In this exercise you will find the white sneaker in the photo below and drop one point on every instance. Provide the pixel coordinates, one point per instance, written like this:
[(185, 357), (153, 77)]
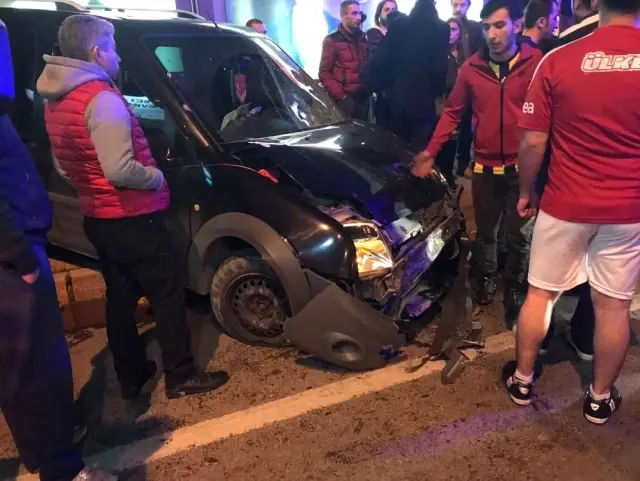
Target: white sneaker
[(93, 474)]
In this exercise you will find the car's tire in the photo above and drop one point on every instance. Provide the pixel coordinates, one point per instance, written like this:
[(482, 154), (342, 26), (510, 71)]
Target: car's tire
[(249, 301)]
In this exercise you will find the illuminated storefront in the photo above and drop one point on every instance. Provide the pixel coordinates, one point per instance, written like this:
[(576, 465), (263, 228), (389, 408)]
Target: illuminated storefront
[(299, 26)]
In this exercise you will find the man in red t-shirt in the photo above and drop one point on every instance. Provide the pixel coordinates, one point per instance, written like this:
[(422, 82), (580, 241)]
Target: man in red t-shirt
[(584, 96)]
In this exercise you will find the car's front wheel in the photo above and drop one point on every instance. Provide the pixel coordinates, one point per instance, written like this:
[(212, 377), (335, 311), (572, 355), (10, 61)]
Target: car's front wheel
[(249, 301)]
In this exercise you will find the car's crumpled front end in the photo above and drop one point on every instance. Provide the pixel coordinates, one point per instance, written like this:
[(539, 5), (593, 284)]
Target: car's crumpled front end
[(404, 267)]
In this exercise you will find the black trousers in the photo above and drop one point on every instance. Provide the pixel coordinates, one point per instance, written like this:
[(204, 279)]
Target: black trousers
[(493, 197), (138, 259), (36, 388), (583, 322)]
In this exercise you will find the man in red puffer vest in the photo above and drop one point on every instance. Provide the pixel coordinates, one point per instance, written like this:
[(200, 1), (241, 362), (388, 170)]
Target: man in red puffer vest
[(344, 53), (101, 149)]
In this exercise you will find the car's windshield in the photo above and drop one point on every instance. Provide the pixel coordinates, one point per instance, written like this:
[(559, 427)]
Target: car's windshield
[(243, 87)]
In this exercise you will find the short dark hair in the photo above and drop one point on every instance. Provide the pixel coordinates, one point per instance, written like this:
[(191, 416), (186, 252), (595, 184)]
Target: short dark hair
[(376, 18), (621, 6), (78, 34), (347, 3), (253, 21), (537, 9), (513, 6)]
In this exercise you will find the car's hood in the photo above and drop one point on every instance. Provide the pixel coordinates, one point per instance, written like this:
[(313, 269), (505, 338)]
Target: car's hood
[(351, 162)]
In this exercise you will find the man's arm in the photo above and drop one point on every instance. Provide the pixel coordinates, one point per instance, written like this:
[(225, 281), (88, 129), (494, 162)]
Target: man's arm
[(327, 62), (530, 158), (535, 121), (15, 250), (109, 124), (455, 108)]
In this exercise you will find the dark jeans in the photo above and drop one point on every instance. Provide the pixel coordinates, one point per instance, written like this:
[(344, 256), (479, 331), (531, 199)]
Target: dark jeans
[(138, 259), (493, 197), (37, 386)]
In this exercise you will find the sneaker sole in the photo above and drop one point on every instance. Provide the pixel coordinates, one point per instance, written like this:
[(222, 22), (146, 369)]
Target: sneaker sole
[(520, 402), (598, 421)]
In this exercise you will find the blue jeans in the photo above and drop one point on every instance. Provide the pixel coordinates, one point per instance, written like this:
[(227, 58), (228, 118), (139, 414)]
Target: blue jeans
[(36, 394)]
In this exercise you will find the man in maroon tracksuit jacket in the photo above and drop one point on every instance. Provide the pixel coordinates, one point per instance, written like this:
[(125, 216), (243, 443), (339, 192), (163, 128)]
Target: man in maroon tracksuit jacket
[(494, 81), (343, 54)]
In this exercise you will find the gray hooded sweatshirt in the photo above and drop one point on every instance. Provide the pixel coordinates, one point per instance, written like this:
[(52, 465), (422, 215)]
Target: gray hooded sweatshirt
[(107, 119)]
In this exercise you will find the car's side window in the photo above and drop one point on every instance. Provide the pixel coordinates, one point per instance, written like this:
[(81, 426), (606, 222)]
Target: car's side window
[(167, 143)]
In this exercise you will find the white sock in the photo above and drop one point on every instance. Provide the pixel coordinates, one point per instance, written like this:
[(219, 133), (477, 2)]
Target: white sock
[(522, 379), (599, 397)]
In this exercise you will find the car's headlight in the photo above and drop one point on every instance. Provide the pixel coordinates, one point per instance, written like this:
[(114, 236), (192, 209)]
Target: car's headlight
[(372, 254)]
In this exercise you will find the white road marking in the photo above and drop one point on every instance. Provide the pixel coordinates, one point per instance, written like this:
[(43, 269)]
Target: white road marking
[(241, 422)]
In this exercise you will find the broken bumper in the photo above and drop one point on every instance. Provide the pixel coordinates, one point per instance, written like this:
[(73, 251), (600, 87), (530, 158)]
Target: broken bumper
[(343, 330)]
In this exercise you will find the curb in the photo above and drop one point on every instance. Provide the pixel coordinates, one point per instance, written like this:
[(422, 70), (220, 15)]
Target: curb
[(81, 298)]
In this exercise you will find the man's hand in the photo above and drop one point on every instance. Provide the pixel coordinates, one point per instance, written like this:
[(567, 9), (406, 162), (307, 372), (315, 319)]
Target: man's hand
[(422, 164), (31, 278), (527, 205)]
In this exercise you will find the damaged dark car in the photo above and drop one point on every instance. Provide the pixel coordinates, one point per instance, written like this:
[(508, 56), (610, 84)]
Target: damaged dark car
[(304, 227)]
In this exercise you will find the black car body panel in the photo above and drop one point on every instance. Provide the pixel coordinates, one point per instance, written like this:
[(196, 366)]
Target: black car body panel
[(290, 195)]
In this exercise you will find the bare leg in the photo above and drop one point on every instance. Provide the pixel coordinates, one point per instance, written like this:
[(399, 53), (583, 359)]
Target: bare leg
[(533, 324), (611, 339)]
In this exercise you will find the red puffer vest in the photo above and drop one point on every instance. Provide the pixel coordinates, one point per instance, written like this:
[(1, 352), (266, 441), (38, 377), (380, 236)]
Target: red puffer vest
[(72, 146)]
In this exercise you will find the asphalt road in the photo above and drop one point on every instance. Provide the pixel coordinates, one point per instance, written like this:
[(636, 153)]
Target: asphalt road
[(285, 416)]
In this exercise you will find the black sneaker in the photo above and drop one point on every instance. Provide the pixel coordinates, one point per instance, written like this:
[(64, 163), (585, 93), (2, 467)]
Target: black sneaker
[(132, 391), (599, 412), (486, 290), (520, 393), (195, 383)]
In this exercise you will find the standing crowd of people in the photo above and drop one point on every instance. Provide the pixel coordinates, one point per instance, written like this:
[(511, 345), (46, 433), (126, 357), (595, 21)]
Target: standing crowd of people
[(538, 132), (522, 84)]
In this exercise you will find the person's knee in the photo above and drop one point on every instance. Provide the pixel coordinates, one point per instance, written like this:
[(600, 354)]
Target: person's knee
[(604, 302)]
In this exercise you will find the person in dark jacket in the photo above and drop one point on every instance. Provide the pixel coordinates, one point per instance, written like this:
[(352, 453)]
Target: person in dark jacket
[(587, 18), (497, 76), (540, 23), (385, 10), (379, 30), (472, 41), (412, 64), (447, 156), (344, 52), (35, 367)]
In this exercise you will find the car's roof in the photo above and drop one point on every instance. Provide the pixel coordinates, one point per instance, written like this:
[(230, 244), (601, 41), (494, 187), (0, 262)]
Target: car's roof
[(137, 21)]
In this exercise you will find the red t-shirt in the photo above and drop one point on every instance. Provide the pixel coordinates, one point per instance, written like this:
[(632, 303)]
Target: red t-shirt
[(586, 95)]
